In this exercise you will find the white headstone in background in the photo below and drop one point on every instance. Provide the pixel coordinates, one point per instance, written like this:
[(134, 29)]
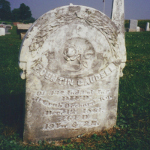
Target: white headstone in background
[(138, 29), (133, 25), (147, 26), (72, 60), (24, 26), (2, 31)]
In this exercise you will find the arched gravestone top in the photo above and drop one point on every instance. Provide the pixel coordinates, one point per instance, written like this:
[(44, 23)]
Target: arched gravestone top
[(63, 18), (71, 58)]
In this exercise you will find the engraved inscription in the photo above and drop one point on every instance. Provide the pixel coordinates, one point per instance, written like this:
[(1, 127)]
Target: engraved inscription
[(53, 126), (72, 98), (73, 110), (47, 103), (77, 92), (92, 110), (75, 98), (51, 77), (73, 125), (61, 112)]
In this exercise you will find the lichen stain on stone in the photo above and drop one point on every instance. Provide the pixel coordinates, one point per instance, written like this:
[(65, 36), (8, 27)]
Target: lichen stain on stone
[(98, 14), (74, 8), (111, 104), (111, 117)]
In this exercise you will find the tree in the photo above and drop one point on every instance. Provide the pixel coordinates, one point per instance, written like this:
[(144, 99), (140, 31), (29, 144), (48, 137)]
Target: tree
[(16, 14), (5, 10), (25, 12)]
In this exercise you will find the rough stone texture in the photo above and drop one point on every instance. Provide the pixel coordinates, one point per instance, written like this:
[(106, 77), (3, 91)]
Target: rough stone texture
[(147, 26), (2, 31), (118, 19), (133, 25), (118, 14), (72, 59)]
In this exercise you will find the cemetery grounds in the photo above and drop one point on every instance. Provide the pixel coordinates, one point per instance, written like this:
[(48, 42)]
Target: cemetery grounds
[(133, 123)]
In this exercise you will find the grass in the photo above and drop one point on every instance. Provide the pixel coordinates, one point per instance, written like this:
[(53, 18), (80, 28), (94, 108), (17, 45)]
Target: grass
[(133, 123)]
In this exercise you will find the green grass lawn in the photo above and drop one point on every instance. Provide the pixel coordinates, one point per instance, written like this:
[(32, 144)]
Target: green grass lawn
[(133, 124)]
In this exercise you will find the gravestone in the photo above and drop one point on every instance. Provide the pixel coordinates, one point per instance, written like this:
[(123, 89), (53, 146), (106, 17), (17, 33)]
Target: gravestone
[(133, 25), (138, 29), (2, 31), (7, 28), (147, 26), (72, 58), (23, 28)]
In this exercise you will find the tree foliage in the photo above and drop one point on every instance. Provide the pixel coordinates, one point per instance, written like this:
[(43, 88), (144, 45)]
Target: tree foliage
[(22, 13), (16, 14), (5, 10), (25, 12)]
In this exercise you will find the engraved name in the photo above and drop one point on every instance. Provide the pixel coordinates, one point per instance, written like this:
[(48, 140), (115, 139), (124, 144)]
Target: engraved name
[(80, 82)]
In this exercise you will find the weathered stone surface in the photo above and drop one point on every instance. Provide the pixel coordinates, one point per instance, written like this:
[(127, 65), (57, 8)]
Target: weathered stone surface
[(147, 26), (133, 25), (71, 58), (2, 31), (118, 14), (118, 19)]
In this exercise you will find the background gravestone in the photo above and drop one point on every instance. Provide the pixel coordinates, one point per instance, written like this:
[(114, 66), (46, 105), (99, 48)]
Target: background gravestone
[(7, 28), (147, 26), (133, 25), (22, 29), (72, 58), (138, 29), (2, 31)]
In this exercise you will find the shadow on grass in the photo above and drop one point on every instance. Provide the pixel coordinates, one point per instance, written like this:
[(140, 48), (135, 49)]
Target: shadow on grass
[(12, 113)]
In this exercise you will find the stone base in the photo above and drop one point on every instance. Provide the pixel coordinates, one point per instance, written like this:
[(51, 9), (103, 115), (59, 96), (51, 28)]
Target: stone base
[(132, 30)]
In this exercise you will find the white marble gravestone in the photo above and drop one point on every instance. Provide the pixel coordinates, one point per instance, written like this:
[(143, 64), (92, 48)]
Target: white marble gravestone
[(72, 58), (138, 29), (2, 31), (147, 26), (133, 25)]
